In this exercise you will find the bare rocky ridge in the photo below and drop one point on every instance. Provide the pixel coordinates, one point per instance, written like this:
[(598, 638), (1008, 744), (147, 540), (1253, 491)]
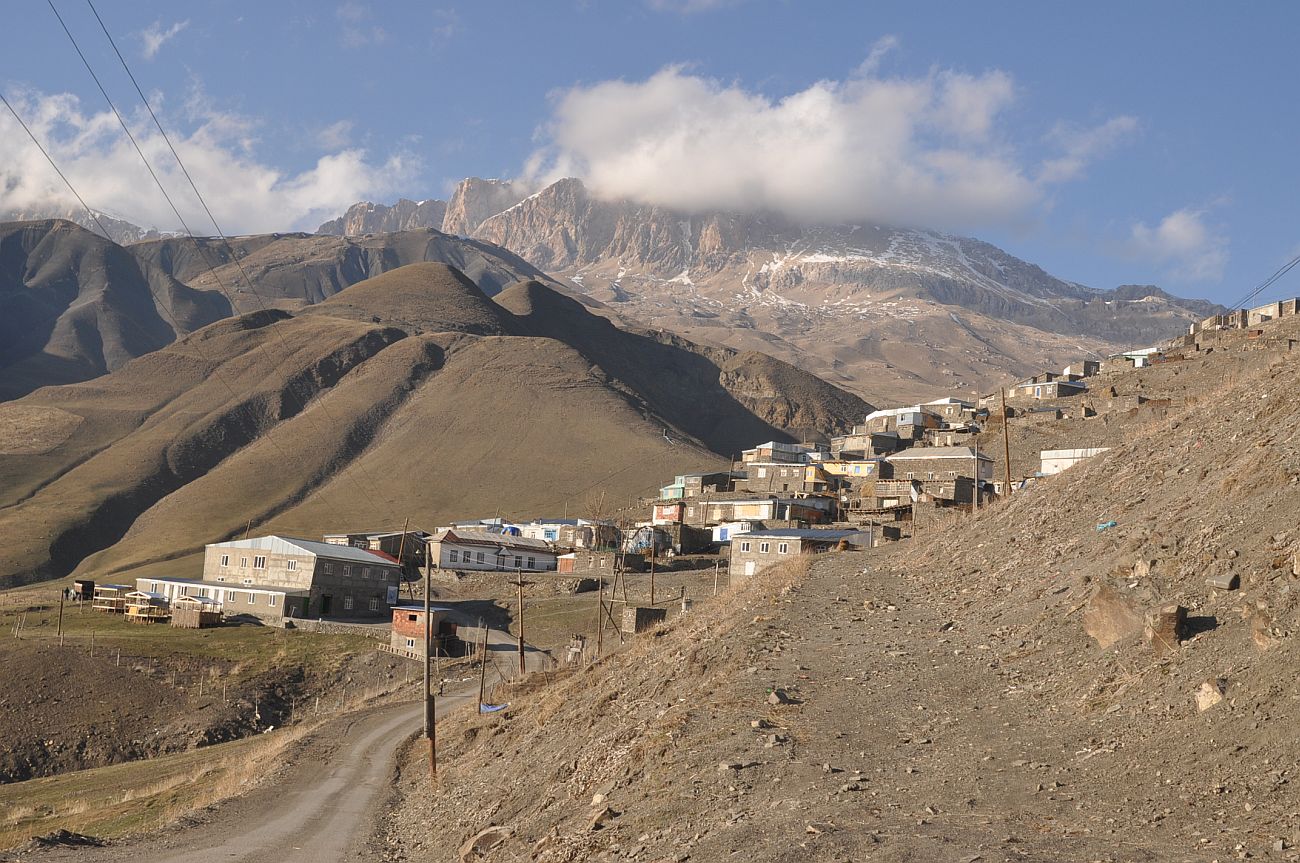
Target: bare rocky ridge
[(892, 313), (405, 215), (476, 199), (412, 394)]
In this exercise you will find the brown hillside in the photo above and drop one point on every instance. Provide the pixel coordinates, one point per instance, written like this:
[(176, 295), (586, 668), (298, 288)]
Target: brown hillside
[(408, 396), (949, 698), (74, 306)]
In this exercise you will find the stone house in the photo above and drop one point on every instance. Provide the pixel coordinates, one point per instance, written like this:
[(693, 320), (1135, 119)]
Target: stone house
[(410, 545), (762, 508), (757, 550), (339, 580), (468, 549), (946, 473), (861, 443)]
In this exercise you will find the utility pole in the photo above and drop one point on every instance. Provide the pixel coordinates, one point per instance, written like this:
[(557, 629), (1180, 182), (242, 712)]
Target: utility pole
[(652, 567), (600, 614), (482, 668), (430, 720), (60, 619), (976, 446), (1006, 438), (520, 584), (401, 550), (717, 567)]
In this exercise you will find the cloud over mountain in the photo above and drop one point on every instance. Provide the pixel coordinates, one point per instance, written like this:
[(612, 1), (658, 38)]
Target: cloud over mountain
[(933, 150), (1185, 243), (246, 194)]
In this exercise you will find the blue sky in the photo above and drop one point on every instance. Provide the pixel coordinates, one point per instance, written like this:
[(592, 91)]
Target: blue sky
[(1109, 143)]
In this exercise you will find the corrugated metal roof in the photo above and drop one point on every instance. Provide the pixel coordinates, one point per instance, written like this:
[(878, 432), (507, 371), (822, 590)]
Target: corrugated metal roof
[(961, 452), (830, 535), (293, 545), (485, 537)]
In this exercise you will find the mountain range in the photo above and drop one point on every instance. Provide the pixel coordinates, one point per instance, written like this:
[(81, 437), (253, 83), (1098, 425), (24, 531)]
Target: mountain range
[(408, 395), (891, 312)]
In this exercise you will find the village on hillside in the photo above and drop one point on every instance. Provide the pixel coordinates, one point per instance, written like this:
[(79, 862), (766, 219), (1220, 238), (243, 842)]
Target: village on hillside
[(899, 473)]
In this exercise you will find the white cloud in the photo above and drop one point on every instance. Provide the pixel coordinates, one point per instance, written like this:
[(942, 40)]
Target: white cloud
[(246, 194), (1082, 146), (690, 7), (1183, 243), (929, 150), (358, 29), (155, 35)]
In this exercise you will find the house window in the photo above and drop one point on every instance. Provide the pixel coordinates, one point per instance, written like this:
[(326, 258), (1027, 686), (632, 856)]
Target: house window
[(225, 560), (246, 581), (347, 603), (270, 600), (519, 562), (365, 572), (259, 562), (243, 562), (329, 569), (412, 617), (410, 642), (347, 570), (252, 598), (762, 472), (374, 603), (763, 547), (454, 555), (744, 546), (478, 557), (291, 565), (153, 586), (783, 548), (532, 563)]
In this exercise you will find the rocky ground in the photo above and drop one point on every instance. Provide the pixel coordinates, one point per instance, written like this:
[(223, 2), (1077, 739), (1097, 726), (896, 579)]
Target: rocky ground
[(1003, 689)]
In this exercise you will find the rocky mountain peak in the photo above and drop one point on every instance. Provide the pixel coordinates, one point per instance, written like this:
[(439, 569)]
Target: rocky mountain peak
[(476, 199), (368, 218)]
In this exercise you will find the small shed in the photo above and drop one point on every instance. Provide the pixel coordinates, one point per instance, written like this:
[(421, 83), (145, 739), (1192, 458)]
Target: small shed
[(110, 597), (143, 606), (639, 618), (195, 612), (83, 589)]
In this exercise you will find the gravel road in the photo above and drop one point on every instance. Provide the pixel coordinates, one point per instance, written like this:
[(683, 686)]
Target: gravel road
[(322, 806)]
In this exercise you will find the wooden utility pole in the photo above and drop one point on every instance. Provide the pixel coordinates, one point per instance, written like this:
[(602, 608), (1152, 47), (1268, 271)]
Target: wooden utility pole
[(1006, 438), (248, 528), (600, 614), (652, 567), (717, 567), (60, 619), (430, 720), (520, 584), (401, 548), (976, 446), (482, 669)]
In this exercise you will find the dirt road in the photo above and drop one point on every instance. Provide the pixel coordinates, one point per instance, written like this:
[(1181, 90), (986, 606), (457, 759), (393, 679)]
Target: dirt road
[(322, 806)]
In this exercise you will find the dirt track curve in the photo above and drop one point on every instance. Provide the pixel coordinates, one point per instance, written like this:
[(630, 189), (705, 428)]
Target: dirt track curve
[(322, 807)]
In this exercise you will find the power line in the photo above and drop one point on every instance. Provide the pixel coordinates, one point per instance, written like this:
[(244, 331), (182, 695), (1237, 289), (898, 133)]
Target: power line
[(161, 304), (208, 210), (1268, 282), (198, 246)]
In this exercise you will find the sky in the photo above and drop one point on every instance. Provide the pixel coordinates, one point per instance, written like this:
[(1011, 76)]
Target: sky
[(1109, 143)]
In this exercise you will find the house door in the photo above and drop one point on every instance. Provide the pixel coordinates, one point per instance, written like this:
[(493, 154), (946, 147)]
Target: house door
[(749, 567), (326, 603)]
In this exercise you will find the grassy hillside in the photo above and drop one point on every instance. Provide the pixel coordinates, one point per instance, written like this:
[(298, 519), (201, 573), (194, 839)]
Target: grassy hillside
[(410, 395)]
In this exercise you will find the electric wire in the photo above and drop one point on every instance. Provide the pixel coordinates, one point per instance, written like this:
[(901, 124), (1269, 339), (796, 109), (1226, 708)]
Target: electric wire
[(206, 209), (344, 470)]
